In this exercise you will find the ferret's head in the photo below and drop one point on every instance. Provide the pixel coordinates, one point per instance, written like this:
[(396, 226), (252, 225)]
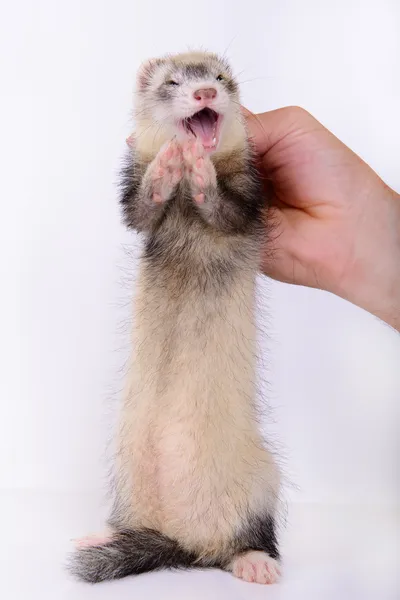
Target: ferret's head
[(192, 94)]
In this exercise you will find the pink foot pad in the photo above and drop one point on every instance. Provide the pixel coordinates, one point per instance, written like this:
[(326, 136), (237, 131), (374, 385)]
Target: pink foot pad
[(256, 567), (166, 171), (199, 169)]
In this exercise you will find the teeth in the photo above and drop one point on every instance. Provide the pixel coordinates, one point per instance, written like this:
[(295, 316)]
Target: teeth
[(214, 140)]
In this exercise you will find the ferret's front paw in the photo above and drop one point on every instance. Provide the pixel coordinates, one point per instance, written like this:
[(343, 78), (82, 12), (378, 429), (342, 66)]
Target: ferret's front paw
[(256, 567), (200, 171), (166, 171)]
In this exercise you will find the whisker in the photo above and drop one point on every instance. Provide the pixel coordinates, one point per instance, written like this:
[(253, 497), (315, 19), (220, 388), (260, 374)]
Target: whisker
[(266, 77), (229, 45), (238, 74), (144, 131), (157, 132), (256, 117)]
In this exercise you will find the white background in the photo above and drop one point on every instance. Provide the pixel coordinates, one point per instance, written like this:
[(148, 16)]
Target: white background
[(67, 73)]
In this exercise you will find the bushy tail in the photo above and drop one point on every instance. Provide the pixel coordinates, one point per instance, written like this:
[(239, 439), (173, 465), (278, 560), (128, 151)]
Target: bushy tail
[(130, 552)]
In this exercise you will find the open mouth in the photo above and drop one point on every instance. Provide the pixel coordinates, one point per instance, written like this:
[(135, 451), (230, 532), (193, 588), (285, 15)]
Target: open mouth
[(204, 125)]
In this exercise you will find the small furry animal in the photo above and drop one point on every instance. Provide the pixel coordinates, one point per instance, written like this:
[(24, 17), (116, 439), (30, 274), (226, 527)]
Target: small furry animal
[(195, 485)]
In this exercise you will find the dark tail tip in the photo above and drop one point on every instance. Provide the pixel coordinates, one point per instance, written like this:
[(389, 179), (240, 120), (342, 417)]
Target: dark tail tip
[(130, 552)]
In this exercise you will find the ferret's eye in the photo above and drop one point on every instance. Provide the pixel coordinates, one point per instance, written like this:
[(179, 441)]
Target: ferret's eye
[(171, 82), (220, 78)]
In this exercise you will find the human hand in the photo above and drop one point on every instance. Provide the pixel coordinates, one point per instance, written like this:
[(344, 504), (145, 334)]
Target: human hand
[(336, 223)]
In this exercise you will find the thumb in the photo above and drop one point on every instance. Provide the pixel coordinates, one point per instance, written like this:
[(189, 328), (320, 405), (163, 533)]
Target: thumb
[(269, 128)]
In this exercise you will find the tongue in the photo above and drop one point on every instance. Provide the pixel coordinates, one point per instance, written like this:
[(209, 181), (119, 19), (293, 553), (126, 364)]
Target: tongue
[(204, 126)]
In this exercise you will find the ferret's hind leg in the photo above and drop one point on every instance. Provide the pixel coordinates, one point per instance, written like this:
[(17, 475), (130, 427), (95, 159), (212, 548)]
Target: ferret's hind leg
[(255, 567), (257, 555), (94, 539)]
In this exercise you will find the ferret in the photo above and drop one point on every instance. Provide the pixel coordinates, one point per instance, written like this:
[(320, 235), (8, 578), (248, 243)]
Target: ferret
[(195, 483)]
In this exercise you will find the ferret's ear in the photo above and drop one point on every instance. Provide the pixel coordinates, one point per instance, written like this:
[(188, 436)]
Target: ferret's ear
[(145, 72)]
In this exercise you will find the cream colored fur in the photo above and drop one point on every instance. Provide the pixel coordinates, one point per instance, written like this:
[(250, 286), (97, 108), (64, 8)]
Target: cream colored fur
[(191, 460)]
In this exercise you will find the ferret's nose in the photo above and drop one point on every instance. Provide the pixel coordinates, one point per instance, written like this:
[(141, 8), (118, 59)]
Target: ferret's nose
[(205, 94)]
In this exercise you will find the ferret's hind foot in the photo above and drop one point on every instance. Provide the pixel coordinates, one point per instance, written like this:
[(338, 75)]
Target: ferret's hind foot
[(256, 567), (94, 539)]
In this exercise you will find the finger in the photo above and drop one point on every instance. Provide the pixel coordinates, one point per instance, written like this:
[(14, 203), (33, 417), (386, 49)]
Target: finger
[(264, 129), (269, 128)]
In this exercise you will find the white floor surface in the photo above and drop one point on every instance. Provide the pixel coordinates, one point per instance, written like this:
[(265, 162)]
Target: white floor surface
[(330, 553)]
